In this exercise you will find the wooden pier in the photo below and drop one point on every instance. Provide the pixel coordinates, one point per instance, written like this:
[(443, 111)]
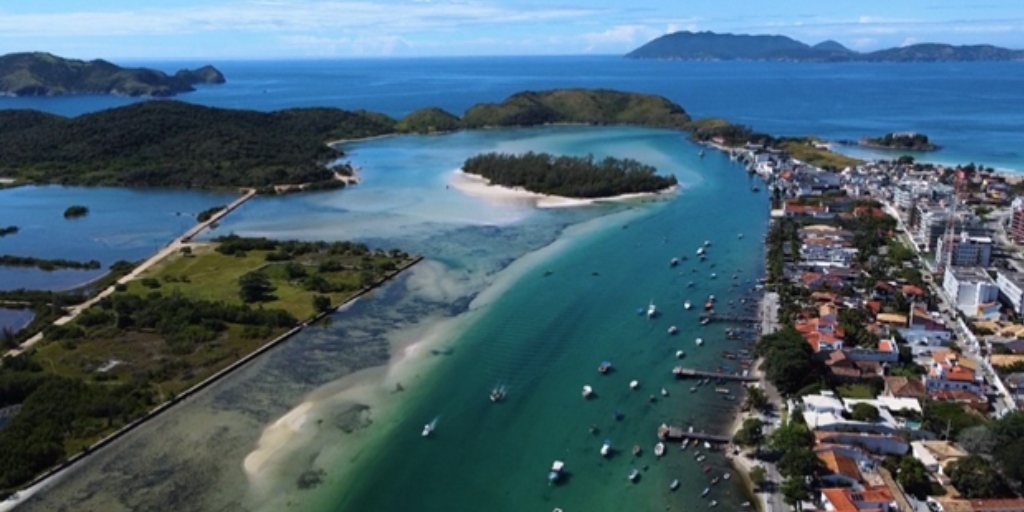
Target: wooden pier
[(684, 373), (715, 317), (667, 433)]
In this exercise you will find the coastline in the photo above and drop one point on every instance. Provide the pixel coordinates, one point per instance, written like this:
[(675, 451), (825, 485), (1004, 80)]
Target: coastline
[(477, 186)]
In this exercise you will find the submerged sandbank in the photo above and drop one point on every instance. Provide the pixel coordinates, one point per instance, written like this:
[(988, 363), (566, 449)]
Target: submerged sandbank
[(477, 186)]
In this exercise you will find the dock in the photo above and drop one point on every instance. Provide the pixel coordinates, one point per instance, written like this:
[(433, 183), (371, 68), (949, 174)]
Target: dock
[(667, 433), (715, 317), (686, 373)]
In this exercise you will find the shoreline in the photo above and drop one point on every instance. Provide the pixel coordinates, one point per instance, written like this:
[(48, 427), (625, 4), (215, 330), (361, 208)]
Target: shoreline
[(478, 186)]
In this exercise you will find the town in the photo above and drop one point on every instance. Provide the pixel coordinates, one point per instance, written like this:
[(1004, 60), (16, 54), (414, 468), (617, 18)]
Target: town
[(893, 345)]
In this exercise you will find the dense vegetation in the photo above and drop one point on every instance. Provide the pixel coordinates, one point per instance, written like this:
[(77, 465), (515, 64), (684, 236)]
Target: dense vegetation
[(568, 176), (8, 260), (208, 213), (788, 360), (174, 144), (75, 211), (43, 74), (429, 120), (583, 106), (9, 230), (904, 141)]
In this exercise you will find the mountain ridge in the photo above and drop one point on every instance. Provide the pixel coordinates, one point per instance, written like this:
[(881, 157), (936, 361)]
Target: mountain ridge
[(687, 45)]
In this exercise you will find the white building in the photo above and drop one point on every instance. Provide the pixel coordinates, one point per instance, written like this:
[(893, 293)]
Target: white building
[(972, 292), (1011, 290), (966, 250), (827, 413), (827, 253)]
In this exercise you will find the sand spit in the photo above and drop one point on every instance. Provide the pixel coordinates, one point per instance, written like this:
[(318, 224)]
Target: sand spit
[(477, 186)]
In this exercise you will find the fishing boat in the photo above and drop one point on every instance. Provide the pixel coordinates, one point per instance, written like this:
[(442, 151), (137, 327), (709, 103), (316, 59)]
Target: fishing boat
[(604, 367), (556, 471), (498, 394), (606, 448), (652, 310), (673, 262), (673, 329), (633, 384), (634, 475), (687, 305), (664, 392), (700, 342), (587, 391), (680, 354), (705, 492), (659, 449), (674, 485)]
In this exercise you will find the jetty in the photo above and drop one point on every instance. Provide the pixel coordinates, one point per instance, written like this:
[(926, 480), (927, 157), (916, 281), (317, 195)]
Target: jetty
[(667, 433), (689, 373), (715, 317)]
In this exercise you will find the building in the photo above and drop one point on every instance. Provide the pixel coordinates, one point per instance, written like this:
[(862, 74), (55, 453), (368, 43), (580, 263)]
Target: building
[(904, 387), (990, 505), (823, 333), (880, 444), (843, 470), (849, 500), (1011, 290), (827, 413), (946, 373), (936, 454), (1016, 230), (972, 292), (964, 250), (924, 331)]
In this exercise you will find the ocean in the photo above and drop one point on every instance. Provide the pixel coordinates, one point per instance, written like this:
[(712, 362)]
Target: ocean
[(510, 295)]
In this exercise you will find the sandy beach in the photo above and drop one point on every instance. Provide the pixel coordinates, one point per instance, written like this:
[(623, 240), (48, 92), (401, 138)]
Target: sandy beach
[(476, 186)]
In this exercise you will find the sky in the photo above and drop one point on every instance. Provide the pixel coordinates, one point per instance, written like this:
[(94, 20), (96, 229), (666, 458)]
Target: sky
[(295, 29)]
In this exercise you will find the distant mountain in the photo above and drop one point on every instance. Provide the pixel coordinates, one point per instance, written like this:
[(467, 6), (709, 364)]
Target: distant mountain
[(43, 74), (712, 46)]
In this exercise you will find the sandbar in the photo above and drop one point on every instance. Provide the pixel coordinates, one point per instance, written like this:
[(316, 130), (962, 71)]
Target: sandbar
[(478, 186)]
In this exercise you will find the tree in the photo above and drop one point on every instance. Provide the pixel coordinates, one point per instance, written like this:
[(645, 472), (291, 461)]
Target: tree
[(791, 436), (975, 478), (321, 303), (912, 476), (794, 490), (756, 398), (254, 287), (787, 359), (758, 476), (980, 440), (750, 434), (799, 463), (864, 412)]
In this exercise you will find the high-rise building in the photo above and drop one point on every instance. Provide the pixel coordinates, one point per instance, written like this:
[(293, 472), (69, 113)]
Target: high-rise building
[(1017, 221)]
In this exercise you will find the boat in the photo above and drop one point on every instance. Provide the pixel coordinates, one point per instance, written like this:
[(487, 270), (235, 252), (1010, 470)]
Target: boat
[(724, 391), (428, 429), (673, 262), (739, 235), (634, 384), (680, 354), (636, 450), (690, 284), (707, 468), (705, 492), (707, 243), (700, 251), (700, 342), (652, 310), (745, 504), (707, 445), (664, 392), (701, 458), (673, 329), (705, 321), (715, 480), (606, 448), (633, 475), (674, 485), (617, 415), (687, 305), (693, 389), (498, 394), (726, 476), (556, 471), (714, 275), (604, 367), (659, 449), (701, 154), (587, 391), (713, 503), (709, 304), (755, 188)]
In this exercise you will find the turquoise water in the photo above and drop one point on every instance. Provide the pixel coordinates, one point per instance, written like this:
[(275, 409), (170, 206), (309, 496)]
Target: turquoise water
[(122, 224)]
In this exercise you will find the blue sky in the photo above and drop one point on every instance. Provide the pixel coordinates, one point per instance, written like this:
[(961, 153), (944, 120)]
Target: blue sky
[(273, 29)]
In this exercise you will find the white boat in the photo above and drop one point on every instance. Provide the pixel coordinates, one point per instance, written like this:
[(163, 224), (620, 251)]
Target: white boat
[(687, 305), (706, 491), (606, 448), (693, 389), (707, 243), (556, 471), (713, 504), (700, 342), (739, 235), (711, 298), (726, 476), (714, 275), (664, 392), (707, 445), (680, 354), (428, 429), (587, 391), (705, 321), (652, 310), (674, 485), (659, 449), (498, 394), (673, 330), (673, 262), (700, 251), (634, 384), (633, 475)]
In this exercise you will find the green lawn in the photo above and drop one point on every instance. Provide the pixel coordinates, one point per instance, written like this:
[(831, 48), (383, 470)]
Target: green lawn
[(819, 157), (855, 391)]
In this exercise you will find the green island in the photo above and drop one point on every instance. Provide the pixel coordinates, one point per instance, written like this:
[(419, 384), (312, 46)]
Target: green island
[(9, 230), (901, 141), (44, 74), (809, 150), (190, 316), (568, 176), (75, 211), (9, 260)]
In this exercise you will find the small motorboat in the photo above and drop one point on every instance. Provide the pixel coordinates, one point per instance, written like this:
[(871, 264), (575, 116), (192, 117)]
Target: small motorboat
[(673, 329), (556, 471), (726, 476), (693, 389), (705, 492), (634, 475), (617, 415), (689, 285), (707, 468), (715, 480), (659, 449), (713, 504), (707, 243), (680, 354), (709, 304), (652, 310), (700, 342), (606, 448), (714, 275), (702, 458), (428, 429), (498, 394), (587, 391), (664, 392), (700, 251), (674, 485), (634, 384), (673, 262), (707, 445), (636, 450), (687, 305), (604, 367), (739, 235)]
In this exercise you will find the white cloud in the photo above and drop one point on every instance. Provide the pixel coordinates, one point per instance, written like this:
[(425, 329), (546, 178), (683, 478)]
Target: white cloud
[(909, 41)]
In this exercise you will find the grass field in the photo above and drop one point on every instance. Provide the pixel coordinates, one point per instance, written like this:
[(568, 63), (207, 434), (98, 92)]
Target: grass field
[(856, 391), (811, 155)]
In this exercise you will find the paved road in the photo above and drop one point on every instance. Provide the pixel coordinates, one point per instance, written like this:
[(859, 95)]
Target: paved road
[(171, 248)]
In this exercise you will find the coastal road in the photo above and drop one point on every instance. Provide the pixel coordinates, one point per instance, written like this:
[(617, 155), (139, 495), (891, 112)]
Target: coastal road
[(171, 248), (772, 502)]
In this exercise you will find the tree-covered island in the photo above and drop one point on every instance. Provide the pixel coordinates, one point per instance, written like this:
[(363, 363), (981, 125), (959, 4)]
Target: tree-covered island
[(76, 211), (9, 230), (568, 176), (908, 141)]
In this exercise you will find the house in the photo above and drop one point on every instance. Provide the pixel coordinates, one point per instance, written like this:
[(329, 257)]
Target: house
[(824, 252), (924, 331), (936, 454), (823, 333), (972, 292), (912, 292), (988, 505), (849, 500), (883, 291), (826, 412), (886, 352), (946, 373), (904, 387), (843, 368), (842, 469), (970, 399), (795, 209), (873, 443)]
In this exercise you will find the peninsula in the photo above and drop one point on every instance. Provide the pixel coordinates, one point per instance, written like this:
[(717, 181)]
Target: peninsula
[(43, 74), (687, 45)]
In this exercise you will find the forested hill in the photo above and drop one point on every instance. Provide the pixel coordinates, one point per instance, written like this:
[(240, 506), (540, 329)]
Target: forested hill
[(43, 74), (175, 144), (584, 106), (567, 176), (712, 46)]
